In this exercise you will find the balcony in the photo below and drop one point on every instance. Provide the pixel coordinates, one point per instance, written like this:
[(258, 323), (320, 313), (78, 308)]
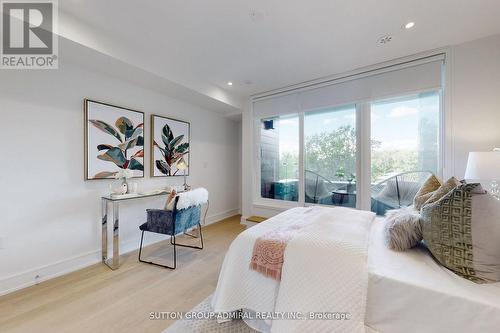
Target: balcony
[(392, 192)]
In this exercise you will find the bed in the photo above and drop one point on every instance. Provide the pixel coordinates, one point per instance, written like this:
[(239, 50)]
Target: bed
[(384, 291), (410, 292)]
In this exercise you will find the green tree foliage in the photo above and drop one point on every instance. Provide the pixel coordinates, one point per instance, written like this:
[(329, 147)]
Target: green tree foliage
[(333, 156), (388, 162)]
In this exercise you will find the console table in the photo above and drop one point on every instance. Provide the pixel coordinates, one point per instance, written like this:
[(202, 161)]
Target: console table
[(114, 262)]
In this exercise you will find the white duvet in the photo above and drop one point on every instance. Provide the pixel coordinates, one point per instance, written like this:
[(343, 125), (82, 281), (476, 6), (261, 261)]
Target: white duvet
[(324, 271)]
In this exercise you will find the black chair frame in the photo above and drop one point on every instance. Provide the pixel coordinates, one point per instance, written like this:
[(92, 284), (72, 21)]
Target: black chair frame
[(175, 244)]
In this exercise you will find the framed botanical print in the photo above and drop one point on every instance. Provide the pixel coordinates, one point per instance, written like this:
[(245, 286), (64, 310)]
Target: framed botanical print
[(170, 146), (114, 140)]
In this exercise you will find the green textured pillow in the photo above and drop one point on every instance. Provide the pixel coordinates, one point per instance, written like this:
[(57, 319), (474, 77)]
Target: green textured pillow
[(462, 231)]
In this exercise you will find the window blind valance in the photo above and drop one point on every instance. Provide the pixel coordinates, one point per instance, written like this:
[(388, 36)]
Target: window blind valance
[(377, 84)]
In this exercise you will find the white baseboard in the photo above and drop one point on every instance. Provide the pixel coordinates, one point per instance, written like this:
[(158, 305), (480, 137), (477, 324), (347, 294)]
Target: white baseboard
[(47, 272), (34, 276)]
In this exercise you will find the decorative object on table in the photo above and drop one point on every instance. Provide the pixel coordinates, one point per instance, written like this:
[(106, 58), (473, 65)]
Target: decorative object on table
[(403, 229), (169, 144), (462, 231), (185, 215), (183, 166), (485, 166), (114, 140), (124, 175), (132, 188), (121, 190)]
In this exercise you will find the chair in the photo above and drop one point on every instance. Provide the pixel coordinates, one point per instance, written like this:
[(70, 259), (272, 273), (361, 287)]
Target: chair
[(172, 223), (318, 188), (397, 191)]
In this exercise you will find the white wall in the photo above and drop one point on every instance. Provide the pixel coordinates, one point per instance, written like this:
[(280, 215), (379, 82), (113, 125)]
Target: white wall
[(475, 99), (473, 107), (50, 221)]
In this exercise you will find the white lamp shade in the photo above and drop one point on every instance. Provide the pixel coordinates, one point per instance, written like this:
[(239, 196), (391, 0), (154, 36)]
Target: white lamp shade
[(483, 166)]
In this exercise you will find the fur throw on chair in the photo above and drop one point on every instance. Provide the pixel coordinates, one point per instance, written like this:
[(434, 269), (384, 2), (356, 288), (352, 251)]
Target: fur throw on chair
[(192, 198)]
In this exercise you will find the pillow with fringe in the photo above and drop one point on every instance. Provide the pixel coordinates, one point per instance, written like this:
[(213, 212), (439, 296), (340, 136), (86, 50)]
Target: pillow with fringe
[(426, 191), (443, 190), (403, 229)]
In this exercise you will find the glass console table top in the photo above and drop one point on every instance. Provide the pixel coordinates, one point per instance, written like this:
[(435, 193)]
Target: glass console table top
[(122, 197)]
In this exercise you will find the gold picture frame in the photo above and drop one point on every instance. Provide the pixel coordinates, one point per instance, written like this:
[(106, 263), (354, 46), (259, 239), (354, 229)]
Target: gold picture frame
[(101, 153), (179, 128)]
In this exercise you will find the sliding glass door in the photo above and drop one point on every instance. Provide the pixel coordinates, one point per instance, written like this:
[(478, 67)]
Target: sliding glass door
[(404, 148), (330, 156), (279, 158), (313, 157)]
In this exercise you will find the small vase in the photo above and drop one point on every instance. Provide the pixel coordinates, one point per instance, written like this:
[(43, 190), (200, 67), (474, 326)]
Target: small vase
[(125, 185)]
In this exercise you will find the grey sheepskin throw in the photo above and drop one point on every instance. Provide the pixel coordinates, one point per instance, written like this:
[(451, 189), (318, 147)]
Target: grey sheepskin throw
[(403, 229)]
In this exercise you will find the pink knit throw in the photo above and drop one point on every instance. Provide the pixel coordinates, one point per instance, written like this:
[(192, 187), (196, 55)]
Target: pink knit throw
[(269, 250)]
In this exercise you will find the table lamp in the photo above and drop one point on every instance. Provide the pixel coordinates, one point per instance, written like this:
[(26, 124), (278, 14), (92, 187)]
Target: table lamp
[(182, 165), (485, 166)]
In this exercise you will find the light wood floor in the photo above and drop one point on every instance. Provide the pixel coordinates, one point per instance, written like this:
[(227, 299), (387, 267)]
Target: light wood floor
[(96, 299)]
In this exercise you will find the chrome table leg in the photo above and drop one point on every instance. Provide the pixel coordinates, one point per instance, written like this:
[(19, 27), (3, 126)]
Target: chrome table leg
[(113, 263), (104, 231), (116, 235)]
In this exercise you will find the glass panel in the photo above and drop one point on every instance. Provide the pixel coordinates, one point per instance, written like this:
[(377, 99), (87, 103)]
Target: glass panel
[(279, 152), (404, 148), (330, 156)]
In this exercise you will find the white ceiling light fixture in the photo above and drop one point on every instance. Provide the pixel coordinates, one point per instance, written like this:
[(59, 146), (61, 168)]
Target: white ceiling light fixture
[(409, 25), (229, 83), (384, 40)]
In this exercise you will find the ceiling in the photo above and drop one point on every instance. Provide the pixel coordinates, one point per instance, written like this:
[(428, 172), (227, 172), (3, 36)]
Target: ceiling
[(262, 45)]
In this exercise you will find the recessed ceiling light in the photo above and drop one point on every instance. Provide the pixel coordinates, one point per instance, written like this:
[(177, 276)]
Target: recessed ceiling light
[(229, 83), (409, 25)]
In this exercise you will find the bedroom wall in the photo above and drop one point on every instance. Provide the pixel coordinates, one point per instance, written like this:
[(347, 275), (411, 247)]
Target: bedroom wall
[(474, 109), (475, 99), (50, 216)]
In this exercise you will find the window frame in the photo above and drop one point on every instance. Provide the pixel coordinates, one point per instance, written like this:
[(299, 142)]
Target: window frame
[(363, 151)]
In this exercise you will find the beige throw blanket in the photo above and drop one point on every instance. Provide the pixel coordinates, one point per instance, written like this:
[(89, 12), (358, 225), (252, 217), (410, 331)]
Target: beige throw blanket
[(324, 271), (269, 250)]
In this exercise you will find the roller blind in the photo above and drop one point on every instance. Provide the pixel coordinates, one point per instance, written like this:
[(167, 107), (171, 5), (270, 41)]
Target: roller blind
[(422, 75)]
